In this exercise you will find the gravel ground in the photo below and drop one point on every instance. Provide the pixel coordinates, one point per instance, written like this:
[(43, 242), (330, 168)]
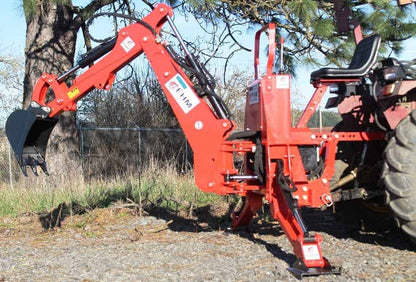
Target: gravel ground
[(115, 245)]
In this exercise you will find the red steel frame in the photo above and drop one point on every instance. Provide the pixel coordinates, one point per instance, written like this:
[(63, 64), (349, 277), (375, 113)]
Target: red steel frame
[(281, 141), (207, 135)]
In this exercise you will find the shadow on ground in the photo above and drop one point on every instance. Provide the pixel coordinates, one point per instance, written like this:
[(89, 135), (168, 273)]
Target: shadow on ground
[(209, 218), (383, 233)]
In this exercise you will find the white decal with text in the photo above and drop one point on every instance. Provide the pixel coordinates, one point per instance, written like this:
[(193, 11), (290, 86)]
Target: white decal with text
[(182, 93), (127, 44)]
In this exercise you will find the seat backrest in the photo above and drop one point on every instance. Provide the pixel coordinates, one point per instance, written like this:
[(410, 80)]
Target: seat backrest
[(365, 54)]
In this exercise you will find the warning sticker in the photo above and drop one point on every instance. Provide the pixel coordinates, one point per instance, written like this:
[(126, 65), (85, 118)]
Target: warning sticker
[(182, 93), (311, 252), (253, 94), (127, 44), (72, 93)]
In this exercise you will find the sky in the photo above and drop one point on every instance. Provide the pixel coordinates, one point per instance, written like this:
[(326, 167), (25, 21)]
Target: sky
[(13, 28)]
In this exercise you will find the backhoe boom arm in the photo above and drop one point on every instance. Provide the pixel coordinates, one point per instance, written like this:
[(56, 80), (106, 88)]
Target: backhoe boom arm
[(204, 129)]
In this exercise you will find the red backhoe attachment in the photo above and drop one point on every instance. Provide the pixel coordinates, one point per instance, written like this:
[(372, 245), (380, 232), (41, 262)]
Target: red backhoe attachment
[(205, 121)]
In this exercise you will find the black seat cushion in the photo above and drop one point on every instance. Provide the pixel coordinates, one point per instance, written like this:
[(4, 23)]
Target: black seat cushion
[(365, 55)]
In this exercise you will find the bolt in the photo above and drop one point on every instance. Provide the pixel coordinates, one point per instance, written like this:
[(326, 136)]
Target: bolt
[(324, 181), (211, 184), (225, 124), (145, 39), (161, 10), (46, 109), (43, 76), (305, 197), (49, 80), (296, 197), (198, 125), (166, 74), (336, 136), (313, 136), (304, 188), (123, 33), (311, 108), (269, 77), (324, 136), (269, 87)]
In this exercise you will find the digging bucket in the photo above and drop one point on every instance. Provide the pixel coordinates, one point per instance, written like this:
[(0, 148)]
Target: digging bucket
[(28, 134)]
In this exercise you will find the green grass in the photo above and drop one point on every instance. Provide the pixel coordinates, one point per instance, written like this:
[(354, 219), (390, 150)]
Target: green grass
[(160, 186)]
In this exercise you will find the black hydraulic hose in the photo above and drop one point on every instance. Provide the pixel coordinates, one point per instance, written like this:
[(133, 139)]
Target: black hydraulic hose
[(204, 81), (204, 77), (140, 21)]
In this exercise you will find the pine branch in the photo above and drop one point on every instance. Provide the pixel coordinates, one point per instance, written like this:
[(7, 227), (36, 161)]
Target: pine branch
[(89, 10)]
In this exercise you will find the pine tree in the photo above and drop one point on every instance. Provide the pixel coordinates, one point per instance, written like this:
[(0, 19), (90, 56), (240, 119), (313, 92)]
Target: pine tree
[(309, 26)]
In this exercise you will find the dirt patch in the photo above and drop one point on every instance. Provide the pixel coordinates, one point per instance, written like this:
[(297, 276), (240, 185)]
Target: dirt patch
[(117, 244)]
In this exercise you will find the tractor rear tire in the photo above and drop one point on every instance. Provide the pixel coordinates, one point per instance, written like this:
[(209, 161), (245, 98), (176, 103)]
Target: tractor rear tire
[(399, 175)]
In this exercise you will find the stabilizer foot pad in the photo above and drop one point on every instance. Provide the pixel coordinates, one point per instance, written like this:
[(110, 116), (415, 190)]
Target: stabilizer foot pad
[(300, 270)]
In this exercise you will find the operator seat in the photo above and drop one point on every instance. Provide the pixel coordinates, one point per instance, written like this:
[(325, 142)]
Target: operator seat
[(365, 56)]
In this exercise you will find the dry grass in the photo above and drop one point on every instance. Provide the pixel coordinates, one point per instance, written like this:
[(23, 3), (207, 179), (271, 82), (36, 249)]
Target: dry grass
[(156, 186)]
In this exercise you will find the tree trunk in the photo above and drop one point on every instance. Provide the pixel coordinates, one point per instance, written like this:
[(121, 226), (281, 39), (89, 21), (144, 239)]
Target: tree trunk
[(50, 47)]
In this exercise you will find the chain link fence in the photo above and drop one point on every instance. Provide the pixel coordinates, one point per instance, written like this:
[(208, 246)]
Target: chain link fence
[(108, 152), (112, 152), (7, 165)]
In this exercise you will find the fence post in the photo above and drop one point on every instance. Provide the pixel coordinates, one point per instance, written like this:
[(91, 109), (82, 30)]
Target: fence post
[(140, 151), (81, 134), (10, 165), (186, 155)]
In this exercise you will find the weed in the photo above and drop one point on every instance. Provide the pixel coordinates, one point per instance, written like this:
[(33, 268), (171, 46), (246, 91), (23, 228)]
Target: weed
[(91, 235)]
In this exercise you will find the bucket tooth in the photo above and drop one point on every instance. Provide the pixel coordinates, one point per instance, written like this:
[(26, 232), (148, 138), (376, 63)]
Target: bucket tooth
[(24, 169), (34, 170), (44, 168)]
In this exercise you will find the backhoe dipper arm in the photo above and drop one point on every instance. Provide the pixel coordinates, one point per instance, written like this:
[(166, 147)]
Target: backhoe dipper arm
[(203, 128)]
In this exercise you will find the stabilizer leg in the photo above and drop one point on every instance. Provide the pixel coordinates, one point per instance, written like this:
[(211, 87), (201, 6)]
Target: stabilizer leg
[(252, 203), (306, 246)]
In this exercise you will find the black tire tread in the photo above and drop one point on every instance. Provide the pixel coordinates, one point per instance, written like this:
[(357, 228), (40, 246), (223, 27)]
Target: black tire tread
[(405, 135), (399, 157), (401, 184), (399, 174)]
